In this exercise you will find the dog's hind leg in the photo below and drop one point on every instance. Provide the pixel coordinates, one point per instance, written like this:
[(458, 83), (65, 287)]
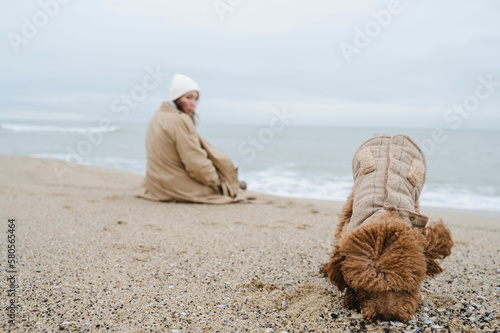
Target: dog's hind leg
[(344, 216), (332, 269)]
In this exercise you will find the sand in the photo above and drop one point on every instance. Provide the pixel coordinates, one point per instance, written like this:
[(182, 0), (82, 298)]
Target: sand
[(92, 257)]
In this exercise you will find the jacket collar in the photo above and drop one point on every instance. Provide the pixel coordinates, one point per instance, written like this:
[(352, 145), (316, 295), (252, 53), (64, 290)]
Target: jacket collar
[(167, 106), (415, 219)]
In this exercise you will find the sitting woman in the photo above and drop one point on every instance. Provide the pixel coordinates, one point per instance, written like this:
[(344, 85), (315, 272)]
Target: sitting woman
[(181, 165)]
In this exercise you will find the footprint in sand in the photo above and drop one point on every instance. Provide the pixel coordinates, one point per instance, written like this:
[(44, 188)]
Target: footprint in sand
[(303, 226), (154, 227), (210, 223)]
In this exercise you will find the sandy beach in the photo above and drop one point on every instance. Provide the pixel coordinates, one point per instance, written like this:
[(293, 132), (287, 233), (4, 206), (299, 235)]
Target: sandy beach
[(92, 257)]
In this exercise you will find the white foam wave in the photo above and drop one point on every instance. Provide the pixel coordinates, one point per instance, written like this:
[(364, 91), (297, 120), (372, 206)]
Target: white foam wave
[(292, 184), (337, 188), (459, 198), (57, 129)]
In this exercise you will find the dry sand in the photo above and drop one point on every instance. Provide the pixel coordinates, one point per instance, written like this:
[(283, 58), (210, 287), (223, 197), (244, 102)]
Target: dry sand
[(92, 257)]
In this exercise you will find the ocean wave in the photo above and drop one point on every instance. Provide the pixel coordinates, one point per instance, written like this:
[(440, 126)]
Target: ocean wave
[(337, 188), (459, 198), (57, 129), (294, 184)]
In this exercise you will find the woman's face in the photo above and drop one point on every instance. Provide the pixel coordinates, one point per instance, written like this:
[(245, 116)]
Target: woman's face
[(188, 102)]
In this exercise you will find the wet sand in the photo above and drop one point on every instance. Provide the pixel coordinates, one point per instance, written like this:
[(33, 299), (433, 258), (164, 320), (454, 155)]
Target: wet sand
[(92, 257)]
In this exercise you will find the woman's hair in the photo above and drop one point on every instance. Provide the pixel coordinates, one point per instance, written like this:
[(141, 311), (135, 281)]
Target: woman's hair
[(194, 116)]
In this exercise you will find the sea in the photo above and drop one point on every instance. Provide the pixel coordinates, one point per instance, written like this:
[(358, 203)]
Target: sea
[(301, 162)]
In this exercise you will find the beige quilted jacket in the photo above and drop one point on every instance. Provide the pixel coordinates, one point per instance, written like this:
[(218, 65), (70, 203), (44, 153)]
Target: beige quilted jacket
[(389, 174)]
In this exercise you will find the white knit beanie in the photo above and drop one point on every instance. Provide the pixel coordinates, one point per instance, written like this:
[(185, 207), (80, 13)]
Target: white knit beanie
[(181, 84)]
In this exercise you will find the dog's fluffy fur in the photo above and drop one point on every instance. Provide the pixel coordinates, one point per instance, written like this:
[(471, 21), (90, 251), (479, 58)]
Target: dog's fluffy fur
[(381, 265)]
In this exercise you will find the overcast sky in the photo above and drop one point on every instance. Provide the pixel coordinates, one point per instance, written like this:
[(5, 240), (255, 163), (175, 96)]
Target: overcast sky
[(329, 63)]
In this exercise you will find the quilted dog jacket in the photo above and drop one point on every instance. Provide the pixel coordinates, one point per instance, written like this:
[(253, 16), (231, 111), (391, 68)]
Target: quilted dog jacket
[(389, 174)]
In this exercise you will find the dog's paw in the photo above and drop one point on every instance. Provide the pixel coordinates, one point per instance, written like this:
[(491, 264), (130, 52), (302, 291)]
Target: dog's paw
[(351, 300)]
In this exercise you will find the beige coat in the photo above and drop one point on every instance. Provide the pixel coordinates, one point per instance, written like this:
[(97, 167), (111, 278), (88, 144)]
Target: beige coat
[(182, 166), (389, 174)]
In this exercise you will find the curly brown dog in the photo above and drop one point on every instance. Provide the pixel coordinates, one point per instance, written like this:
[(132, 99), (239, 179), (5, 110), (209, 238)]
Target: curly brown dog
[(383, 248)]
